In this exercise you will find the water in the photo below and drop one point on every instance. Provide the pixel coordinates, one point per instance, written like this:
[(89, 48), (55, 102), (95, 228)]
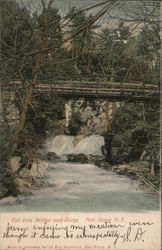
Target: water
[(63, 144), (85, 188)]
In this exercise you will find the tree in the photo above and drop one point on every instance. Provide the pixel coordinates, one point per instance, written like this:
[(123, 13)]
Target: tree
[(117, 57), (82, 44), (49, 67), (17, 37), (148, 50), (30, 87)]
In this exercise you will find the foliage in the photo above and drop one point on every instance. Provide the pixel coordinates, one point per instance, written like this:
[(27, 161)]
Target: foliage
[(82, 44), (16, 40), (45, 108), (148, 48), (132, 131)]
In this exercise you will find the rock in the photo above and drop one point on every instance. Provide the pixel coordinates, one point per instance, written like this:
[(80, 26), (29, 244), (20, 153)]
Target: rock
[(51, 185), (95, 158), (85, 158), (37, 183), (77, 139), (24, 172), (121, 171), (132, 175), (3, 191), (23, 185), (92, 113), (12, 114), (14, 163), (51, 156), (102, 164), (73, 182), (38, 168), (8, 201), (77, 158), (120, 154)]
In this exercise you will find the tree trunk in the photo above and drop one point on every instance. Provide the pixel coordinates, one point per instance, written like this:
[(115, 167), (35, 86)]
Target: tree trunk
[(76, 59), (89, 59), (153, 165), (108, 141), (30, 88), (72, 50)]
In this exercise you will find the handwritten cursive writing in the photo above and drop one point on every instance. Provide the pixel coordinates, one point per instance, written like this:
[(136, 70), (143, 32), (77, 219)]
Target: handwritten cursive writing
[(118, 233), (15, 232)]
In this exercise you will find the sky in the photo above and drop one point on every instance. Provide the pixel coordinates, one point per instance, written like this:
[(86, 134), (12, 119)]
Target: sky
[(64, 5), (125, 9), (126, 6)]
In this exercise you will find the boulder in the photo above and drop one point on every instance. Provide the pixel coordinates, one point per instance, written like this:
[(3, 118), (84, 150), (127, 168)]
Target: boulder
[(38, 169), (73, 182), (94, 158), (8, 201), (23, 185), (4, 191), (77, 139), (51, 156), (14, 163), (82, 158), (77, 158), (24, 173), (103, 164)]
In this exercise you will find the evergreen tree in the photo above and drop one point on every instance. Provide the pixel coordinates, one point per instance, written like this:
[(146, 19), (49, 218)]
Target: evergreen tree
[(82, 44), (17, 39), (148, 50), (117, 57)]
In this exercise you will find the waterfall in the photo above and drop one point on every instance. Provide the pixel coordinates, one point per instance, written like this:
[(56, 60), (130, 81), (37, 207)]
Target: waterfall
[(63, 145), (90, 145)]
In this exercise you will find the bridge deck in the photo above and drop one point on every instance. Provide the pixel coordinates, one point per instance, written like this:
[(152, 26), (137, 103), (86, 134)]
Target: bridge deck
[(103, 90)]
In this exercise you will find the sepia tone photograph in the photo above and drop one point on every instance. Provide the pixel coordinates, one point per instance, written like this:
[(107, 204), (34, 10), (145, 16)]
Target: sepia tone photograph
[(80, 106)]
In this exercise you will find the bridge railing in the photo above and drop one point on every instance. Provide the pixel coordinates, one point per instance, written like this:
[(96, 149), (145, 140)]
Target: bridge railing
[(87, 88), (98, 83)]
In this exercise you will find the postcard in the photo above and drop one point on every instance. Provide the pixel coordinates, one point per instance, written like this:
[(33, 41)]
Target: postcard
[(80, 125)]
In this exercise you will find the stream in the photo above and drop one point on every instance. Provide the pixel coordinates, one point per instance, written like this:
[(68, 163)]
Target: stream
[(77, 187)]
